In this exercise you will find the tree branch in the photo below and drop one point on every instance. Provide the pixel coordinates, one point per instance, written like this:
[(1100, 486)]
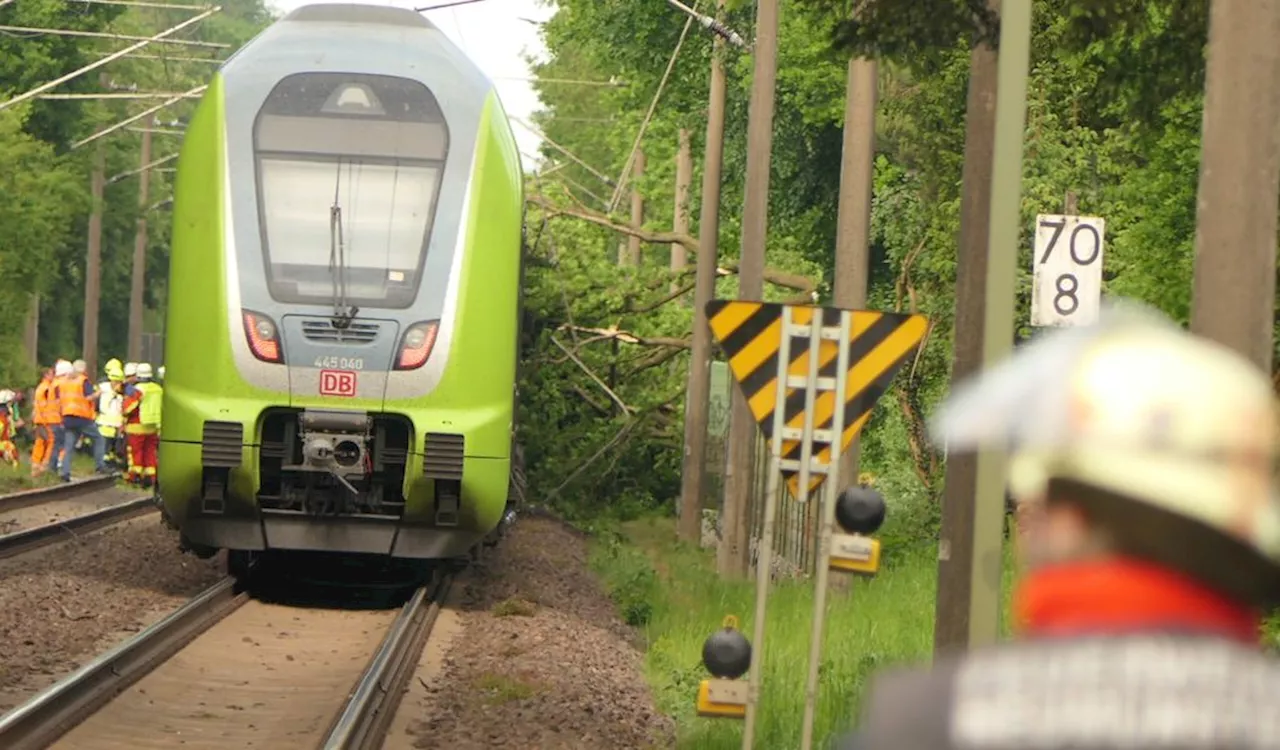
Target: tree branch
[(778, 278), (626, 337)]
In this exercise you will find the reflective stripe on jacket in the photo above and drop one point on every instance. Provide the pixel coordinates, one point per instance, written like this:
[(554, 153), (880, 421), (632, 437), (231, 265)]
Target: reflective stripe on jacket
[(1100, 692)]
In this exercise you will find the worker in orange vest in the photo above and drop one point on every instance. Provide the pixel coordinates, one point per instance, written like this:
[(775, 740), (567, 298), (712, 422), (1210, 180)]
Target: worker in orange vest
[(46, 415), (77, 395)]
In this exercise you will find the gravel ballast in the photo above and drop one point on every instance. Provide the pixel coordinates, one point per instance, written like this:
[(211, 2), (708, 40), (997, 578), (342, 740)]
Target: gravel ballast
[(62, 605), (536, 658)]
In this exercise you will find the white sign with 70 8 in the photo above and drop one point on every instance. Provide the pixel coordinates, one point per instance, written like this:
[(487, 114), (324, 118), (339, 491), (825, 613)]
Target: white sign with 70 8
[(1066, 286)]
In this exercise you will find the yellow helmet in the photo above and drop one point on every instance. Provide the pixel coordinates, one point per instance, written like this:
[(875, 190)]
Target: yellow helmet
[(114, 370), (1141, 410)]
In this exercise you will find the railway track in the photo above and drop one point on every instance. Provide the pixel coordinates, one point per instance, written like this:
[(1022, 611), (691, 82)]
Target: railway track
[(28, 539), (225, 670)]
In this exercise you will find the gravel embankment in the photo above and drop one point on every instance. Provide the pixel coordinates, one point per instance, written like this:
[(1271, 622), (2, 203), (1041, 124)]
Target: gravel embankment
[(535, 658), (62, 605)]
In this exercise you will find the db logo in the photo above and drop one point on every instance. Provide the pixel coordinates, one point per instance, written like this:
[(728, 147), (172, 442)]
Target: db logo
[(337, 383)]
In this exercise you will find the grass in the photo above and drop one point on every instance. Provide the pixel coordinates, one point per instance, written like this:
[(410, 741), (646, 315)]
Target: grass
[(672, 593), (514, 607), (498, 689), (16, 479)]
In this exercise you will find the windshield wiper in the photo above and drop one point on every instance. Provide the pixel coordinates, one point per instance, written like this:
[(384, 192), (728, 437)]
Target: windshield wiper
[(343, 314)]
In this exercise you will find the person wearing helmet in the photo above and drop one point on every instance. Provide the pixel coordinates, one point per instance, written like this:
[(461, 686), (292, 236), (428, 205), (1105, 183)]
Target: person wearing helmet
[(110, 419), (77, 396), (142, 402), (1144, 457), (61, 371), (8, 428)]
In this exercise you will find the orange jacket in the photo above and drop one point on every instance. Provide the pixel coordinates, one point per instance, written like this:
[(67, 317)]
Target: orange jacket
[(72, 399), (48, 410)]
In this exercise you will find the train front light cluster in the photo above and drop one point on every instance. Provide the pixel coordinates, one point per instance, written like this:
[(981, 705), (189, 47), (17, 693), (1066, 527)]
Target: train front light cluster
[(264, 337), (416, 344)]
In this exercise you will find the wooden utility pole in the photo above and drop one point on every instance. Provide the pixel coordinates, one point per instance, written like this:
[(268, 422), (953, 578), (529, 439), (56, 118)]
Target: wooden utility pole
[(140, 251), (637, 210), (1233, 294), (853, 223), (93, 262), (697, 403), (955, 545), (31, 333), (684, 176), (739, 482)]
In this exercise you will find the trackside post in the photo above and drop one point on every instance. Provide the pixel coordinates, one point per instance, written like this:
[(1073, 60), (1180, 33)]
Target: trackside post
[(810, 376)]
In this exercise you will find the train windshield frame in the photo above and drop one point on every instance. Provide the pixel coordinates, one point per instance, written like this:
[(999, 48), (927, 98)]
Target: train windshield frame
[(371, 146)]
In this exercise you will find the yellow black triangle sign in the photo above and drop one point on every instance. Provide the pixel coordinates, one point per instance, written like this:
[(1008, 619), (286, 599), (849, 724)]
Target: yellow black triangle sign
[(750, 333)]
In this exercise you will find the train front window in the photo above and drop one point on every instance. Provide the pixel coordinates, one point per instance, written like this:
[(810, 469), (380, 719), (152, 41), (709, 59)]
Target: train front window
[(349, 169)]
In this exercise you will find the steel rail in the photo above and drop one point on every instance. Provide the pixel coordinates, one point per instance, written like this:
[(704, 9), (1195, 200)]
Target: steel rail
[(52, 713), (366, 717), (64, 491), (58, 531)]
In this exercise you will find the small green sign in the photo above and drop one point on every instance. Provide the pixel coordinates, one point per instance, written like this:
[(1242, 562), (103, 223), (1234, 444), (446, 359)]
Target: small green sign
[(718, 416)]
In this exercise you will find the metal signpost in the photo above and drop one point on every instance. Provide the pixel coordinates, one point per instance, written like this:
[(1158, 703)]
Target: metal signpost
[(1066, 287), (811, 376)]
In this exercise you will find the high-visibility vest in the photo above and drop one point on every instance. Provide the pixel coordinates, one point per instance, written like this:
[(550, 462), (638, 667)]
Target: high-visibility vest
[(110, 417), (48, 408), (72, 398), (152, 398)]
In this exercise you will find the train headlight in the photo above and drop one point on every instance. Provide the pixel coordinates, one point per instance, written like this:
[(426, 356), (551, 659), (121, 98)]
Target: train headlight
[(416, 344), (263, 336)]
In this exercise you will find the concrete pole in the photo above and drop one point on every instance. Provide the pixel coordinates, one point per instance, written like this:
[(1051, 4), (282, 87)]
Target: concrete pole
[(697, 402), (733, 555), (853, 224), (93, 262), (31, 333), (637, 209), (680, 224), (1233, 294), (985, 537), (955, 545), (138, 281)]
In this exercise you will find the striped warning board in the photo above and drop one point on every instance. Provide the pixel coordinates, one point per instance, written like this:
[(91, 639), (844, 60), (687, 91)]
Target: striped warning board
[(750, 333)]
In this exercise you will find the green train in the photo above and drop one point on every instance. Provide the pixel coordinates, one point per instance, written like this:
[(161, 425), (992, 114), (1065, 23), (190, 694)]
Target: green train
[(344, 297)]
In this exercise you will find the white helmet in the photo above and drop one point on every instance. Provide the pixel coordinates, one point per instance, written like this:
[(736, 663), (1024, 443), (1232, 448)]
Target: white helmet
[(80, 366), (1138, 408), (130, 369), (62, 368), (6, 396), (144, 371)]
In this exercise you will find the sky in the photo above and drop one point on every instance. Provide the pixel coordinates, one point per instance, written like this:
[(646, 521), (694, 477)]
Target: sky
[(494, 34)]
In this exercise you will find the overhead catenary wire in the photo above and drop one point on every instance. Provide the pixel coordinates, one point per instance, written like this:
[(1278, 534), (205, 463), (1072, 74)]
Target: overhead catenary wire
[(603, 177), (621, 183), (108, 35), (109, 58), (139, 116), (712, 24), (140, 4), (138, 170)]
